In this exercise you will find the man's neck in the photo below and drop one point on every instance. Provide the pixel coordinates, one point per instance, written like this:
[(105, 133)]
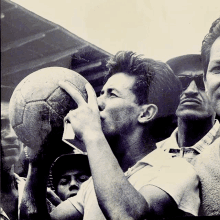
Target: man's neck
[(130, 149), (191, 131)]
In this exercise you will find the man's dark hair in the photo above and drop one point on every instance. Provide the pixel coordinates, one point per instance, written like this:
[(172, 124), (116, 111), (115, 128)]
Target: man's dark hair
[(210, 38), (155, 81)]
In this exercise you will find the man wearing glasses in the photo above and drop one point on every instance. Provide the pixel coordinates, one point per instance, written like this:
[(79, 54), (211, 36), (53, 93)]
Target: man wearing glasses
[(197, 127)]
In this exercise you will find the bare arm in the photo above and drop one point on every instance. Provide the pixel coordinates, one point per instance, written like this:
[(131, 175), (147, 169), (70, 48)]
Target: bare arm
[(160, 203), (65, 211), (117, 198), (33, 205)]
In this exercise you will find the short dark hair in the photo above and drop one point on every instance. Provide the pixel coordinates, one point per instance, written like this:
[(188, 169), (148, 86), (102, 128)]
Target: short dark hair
[(67, 162), (214, 33), (155, 81)]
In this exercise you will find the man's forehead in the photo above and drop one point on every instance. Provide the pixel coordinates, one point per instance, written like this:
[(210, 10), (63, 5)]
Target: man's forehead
[(191, 73), (73, 171), (120, 80)]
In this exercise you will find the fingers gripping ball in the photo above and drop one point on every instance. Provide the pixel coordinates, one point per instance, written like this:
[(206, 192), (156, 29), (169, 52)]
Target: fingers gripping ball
[(38, 105)]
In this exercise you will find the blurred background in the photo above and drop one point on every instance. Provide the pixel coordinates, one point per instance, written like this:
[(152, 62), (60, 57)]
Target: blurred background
[(82, 35), (160, 29)]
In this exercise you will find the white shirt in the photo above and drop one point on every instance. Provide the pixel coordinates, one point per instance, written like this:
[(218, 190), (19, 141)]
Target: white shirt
[(175, 176)]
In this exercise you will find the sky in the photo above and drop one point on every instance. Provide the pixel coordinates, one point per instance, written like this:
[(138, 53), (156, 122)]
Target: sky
[(159, 29)]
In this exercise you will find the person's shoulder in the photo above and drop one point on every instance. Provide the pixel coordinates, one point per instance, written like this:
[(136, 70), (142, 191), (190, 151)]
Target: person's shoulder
[(212, 149), (173, 168), (215, 145), (163, 160), (178, 178), (180, 163), (180, 166), (210, 155)]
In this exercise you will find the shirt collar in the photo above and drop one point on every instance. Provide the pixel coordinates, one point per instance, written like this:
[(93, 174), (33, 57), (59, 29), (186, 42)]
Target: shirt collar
[(155, 158), (208, 138), (171, 142)]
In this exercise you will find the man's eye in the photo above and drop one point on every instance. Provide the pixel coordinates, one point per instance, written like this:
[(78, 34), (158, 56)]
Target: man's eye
[(83, 178), (101, 93), (63, 181), (113, 94), (216, 70)]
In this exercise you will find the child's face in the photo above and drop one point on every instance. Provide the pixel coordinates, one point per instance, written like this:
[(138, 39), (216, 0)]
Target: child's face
[(70, 183)]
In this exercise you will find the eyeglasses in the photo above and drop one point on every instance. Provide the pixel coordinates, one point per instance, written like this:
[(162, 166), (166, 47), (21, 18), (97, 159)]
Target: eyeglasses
[(186, 80)]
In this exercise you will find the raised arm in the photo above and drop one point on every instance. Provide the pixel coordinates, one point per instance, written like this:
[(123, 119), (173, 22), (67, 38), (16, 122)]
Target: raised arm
[(117, 198), (33, 205)]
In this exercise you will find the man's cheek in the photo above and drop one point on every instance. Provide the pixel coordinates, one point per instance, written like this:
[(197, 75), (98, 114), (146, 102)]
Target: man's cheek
[(117, 117), (122, 114), (61, 191)]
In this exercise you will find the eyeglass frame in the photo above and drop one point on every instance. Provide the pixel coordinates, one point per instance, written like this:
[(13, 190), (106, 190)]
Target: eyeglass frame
[(198, 79)]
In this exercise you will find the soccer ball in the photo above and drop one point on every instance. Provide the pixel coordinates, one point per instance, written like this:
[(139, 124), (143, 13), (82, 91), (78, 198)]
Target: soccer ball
[(38, 105)]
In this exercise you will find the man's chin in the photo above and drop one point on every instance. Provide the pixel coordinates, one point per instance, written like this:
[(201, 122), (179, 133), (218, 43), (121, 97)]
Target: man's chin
[(109, 135), (8, 161), (106, 131), (192, 116)]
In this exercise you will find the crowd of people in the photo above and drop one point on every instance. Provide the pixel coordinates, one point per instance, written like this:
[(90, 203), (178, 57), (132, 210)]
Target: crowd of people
[(128, 172)]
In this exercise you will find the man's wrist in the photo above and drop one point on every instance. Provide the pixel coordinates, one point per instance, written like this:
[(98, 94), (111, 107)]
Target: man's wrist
[(93, 137)]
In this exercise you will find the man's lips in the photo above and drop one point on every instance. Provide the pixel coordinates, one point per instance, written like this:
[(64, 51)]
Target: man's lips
[(10, 150), (190, 101), (10, 146), (102, 119)]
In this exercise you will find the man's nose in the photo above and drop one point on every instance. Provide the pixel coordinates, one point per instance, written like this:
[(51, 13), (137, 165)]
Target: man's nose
[(10, 134), (74, 183), (101, 104), (192, 89)]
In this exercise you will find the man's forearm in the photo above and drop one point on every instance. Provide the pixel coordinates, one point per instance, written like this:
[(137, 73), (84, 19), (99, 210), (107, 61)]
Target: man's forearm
[(117, 198), (33, 205)]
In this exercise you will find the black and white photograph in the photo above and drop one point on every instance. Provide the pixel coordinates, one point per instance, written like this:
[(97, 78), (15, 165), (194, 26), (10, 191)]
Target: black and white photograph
[(110, 109)]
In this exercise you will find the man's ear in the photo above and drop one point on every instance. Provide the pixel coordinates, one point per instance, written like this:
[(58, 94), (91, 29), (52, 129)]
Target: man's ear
[(148, 113)]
